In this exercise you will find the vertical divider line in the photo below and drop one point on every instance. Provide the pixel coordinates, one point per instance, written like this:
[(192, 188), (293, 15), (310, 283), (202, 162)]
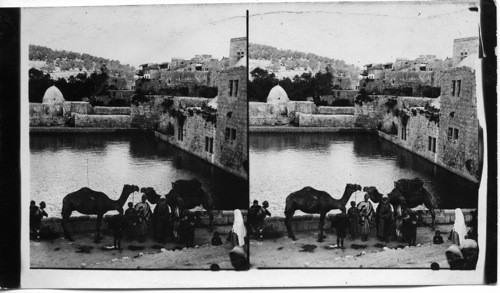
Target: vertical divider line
[(248, 133)]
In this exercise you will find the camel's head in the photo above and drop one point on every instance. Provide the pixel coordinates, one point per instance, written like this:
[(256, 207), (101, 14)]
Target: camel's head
[(354, 187), (130, 188), (150, 194), (147, 190), (373, 193)]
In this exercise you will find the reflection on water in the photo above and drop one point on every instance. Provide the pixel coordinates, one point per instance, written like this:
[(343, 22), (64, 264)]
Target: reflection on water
[(59, 166), (284, 163)]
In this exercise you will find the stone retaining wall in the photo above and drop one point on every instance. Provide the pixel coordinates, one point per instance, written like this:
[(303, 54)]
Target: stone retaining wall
[(78, 224), (112, 110), (311, 222), (308, 120), (295, 129), (336, 110), (106, 121)]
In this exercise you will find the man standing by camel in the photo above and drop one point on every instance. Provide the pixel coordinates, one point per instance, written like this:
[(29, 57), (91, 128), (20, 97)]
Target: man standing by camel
[(384, 219), (143, 213)]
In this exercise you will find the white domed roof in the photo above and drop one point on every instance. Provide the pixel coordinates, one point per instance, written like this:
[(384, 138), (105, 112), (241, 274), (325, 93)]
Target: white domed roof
[(277, 95), (53, 95)]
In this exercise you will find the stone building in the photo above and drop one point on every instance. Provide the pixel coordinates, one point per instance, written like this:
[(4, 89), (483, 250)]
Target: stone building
[(231, 134), (237, 50), (464, 47), (52, 96), (459, 128)]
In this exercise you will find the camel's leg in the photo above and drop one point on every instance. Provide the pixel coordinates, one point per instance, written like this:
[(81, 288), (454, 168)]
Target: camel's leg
[(428, 204), (288, 222), (64, 223), (208, 208), (98, 229), (321, 236)]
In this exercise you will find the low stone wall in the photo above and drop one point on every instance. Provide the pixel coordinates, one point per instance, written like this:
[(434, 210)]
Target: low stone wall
[(268, 114), (301, 107), (106, 121), (46, 114), (311, 222), (79, 224), (336, 110), (308, 120), (112, 110)]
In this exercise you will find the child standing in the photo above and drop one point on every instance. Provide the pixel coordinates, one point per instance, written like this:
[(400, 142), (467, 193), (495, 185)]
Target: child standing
[(341, 225), (353, 214)]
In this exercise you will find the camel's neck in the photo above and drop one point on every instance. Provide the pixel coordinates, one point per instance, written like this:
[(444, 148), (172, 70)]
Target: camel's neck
[(123, 197), (347, 194)]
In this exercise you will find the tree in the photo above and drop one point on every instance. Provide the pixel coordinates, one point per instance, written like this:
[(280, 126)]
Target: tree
[(260, 85), (37, 85)]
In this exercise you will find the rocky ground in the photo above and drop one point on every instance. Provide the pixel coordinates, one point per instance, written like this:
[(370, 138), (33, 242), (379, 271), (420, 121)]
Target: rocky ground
[(306, 252), (60, 253)]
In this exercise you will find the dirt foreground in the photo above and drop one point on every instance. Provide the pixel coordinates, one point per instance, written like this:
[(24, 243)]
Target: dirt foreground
[(60, 253), (285, 253)]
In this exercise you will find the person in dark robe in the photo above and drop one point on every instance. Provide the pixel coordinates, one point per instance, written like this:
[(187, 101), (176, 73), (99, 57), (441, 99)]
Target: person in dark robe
[(411, 228), (384, 219), (33, 210), (341, 224), (437, 239), (399, 213), (118, 225), (261, 216), (253, 212), (161, 219), (37, 219), (216, 240), (187, 227), (353, 214), (131, 218), (472, 233)]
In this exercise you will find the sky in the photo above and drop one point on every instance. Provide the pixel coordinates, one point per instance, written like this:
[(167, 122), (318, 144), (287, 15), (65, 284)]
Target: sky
[(363, 33), (136, 35)]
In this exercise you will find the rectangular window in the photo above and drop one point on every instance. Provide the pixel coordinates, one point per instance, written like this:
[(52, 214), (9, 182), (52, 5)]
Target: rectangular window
[(433, 144), (429, 146), (206, 144), (450, 133), (230, 88), (211, 145), (459, 85), (453, 84), (228, 133), (403, 132), (235, 88), (233, 134), (180, 133), (455, 133)]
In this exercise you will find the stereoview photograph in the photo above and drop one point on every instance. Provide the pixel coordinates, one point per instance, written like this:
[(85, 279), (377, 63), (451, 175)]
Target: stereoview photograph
[(137, 137), (364, 144)]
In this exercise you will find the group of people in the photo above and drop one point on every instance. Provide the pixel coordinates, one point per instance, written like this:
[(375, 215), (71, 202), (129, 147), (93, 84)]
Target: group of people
[(36, 216), (359, 219), (256, 217), (166, 223)]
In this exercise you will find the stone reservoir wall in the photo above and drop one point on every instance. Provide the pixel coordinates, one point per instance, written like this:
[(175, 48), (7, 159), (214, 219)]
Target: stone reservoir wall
[(336, 110), (106, 121), (310, 222), (112, 110), (78, 224), (315, 120)]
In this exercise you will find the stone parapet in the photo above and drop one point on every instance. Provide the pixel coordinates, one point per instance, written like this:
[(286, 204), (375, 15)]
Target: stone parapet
[(309, 120), (106, 121), (336, 110), (311, 222), (112, 110), (79, 224)]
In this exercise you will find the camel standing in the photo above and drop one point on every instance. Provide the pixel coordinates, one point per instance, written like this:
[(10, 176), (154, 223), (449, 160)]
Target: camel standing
[(312, 201), (89, 202), (185, 194), (412, 190)]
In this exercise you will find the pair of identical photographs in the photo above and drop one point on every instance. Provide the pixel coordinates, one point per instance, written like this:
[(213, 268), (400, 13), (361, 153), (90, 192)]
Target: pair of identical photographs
[(253, 137)]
